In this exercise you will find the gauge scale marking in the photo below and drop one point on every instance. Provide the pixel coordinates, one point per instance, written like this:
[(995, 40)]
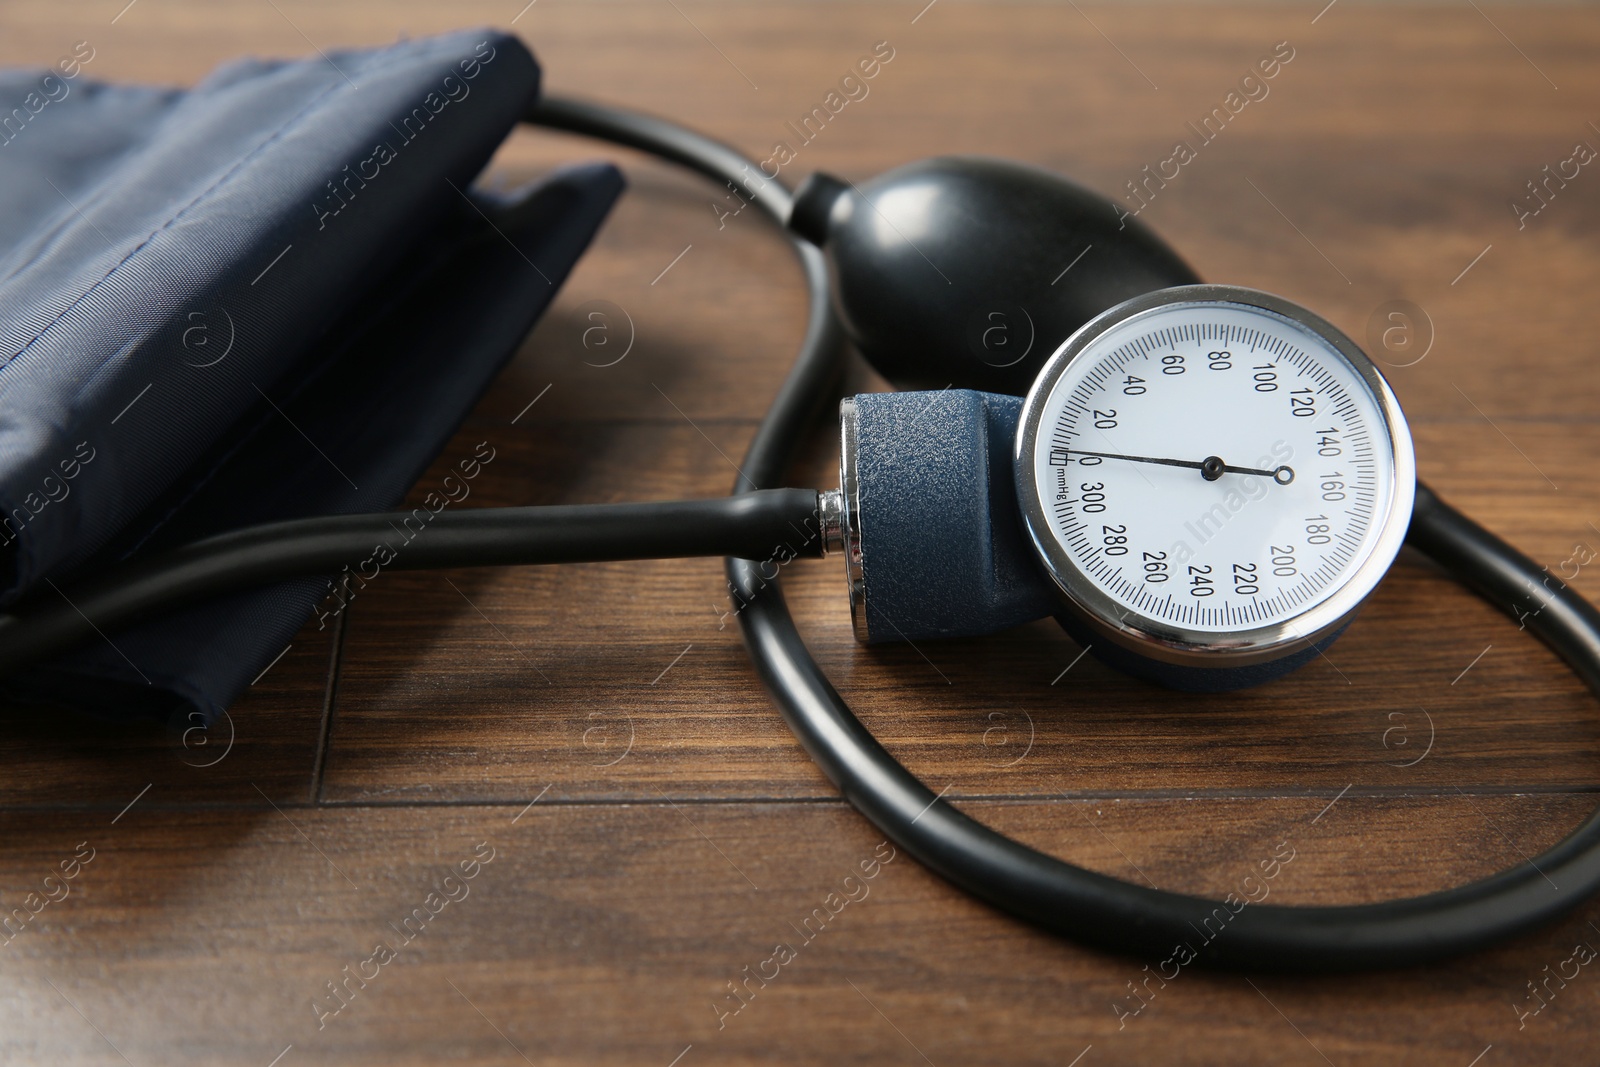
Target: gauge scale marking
[(1214, 475)]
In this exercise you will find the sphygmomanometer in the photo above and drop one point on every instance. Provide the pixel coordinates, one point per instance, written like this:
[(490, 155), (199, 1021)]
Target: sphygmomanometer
[(1201, 482)]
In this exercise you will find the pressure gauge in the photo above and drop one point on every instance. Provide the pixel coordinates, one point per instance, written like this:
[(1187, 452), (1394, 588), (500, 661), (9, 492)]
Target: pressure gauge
[(1213, 476)]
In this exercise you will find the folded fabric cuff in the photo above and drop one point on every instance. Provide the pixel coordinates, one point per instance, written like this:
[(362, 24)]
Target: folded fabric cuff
[(272, 296)]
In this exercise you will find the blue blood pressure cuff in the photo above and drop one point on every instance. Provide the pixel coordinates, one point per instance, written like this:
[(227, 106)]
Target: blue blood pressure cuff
[(272, 296)]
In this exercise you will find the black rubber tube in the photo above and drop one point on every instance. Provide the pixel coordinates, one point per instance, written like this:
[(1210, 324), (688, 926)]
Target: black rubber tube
[(781, 523), (818, 366), (1090, 907), (666, 141)]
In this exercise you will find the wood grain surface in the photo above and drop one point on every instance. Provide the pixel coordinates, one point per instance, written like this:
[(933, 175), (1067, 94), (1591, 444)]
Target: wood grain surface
[(679, 832)]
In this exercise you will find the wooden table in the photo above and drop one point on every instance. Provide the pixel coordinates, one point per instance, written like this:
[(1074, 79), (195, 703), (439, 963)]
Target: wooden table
[(679, 832)]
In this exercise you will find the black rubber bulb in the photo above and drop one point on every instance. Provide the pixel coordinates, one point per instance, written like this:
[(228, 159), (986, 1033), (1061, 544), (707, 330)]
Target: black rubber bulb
[(969, 272)]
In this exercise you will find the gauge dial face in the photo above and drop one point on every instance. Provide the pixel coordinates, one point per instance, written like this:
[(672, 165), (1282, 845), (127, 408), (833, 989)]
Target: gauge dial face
[(1214, 473)]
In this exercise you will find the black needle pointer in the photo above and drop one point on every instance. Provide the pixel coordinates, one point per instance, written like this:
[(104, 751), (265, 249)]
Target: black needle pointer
[(1211, 468)]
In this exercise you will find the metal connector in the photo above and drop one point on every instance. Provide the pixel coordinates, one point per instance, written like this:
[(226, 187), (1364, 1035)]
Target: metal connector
[(850, 518), (830, 513)]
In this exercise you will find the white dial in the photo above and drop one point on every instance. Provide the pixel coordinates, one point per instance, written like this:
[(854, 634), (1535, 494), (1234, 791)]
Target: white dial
[(1210, 469)]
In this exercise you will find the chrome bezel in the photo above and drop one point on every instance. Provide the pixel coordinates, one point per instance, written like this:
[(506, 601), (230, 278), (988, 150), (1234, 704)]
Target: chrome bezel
[(850, 519), (1164, 641)]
